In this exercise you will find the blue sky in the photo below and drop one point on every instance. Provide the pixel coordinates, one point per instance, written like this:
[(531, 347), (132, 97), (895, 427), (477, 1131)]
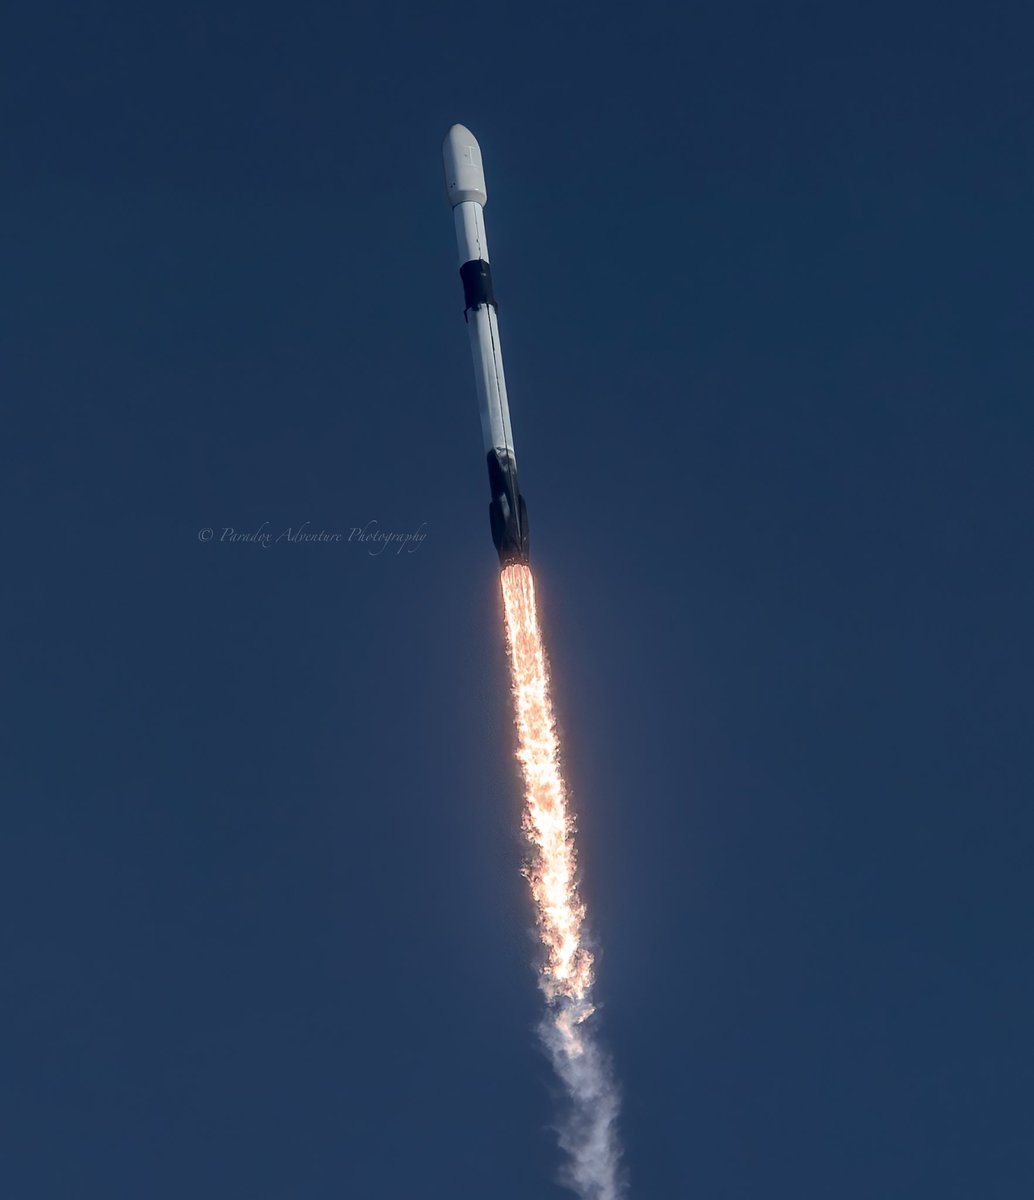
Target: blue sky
[(764, 292)]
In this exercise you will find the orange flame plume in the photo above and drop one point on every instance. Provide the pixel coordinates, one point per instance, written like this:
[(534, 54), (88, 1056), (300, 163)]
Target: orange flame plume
[(567, 973)]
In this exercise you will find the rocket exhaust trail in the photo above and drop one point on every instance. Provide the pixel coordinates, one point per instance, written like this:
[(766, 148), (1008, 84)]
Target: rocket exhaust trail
[(589, 1134)]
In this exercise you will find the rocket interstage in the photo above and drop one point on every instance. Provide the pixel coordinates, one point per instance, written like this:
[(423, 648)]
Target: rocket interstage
[(465, 185), (588, 1133)]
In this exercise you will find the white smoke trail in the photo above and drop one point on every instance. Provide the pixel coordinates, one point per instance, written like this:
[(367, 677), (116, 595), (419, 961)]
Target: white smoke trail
[(588, 1134)]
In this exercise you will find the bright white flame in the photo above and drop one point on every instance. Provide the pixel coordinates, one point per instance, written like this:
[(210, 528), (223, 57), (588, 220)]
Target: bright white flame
[(589, 1135)]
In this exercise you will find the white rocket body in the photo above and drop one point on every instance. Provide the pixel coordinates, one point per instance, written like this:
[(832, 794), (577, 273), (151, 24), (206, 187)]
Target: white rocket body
[(465, 185)]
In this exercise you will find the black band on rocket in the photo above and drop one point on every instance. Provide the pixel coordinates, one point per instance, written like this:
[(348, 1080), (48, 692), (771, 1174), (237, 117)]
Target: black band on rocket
[(477, 284)]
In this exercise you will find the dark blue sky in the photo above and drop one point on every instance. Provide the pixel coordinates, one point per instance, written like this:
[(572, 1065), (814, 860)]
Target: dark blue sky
[(764, 275)]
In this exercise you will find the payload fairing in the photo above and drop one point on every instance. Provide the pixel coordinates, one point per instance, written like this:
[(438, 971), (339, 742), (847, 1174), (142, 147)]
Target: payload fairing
[(465, 185)]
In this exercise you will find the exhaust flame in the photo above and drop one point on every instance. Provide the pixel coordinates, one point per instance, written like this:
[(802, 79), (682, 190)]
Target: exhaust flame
[(566, 977)]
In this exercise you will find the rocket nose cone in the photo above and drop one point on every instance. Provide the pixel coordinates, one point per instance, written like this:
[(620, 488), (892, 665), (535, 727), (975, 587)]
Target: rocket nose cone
[(464, 171)]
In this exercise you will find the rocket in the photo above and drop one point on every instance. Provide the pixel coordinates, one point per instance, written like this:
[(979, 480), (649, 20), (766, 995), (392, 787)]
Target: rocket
[(465, 186)]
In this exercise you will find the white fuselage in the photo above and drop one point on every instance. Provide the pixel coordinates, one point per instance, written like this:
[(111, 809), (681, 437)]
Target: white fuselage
[(465, 188), (484, 336)]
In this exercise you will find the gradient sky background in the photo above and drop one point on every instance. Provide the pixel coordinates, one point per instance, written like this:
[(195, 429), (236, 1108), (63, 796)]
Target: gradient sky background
[(764, 275)]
